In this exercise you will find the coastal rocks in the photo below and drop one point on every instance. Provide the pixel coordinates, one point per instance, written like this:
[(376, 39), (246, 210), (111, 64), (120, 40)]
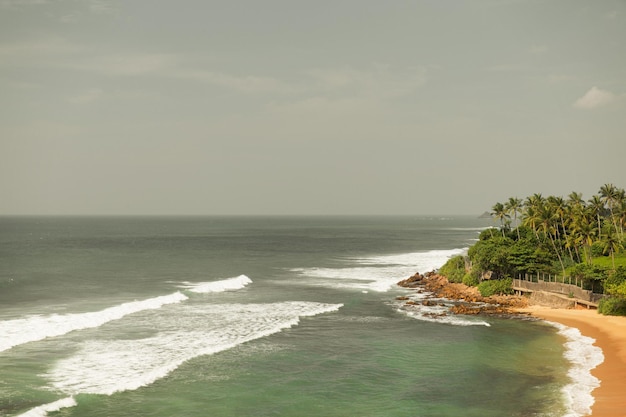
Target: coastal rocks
[(468, 299), (413, 281)]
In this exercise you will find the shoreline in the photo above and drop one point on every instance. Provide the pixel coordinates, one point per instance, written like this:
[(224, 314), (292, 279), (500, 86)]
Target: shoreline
[(609, 333)]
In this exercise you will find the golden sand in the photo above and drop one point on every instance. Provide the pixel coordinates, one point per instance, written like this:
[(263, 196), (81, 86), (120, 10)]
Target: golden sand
[(610, 335)]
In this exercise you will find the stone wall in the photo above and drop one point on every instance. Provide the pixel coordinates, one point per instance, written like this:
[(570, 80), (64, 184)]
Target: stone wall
[(555, 287), (550, 300)]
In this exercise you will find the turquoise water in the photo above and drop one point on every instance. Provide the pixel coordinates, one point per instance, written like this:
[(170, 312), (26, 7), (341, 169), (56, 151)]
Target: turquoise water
[(254, 316)]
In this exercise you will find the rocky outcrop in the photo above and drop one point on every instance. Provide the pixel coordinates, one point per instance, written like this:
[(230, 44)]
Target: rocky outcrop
[(467, 299)]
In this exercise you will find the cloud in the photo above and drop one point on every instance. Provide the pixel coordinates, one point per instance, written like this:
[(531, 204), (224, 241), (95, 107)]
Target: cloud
[(594, 98)]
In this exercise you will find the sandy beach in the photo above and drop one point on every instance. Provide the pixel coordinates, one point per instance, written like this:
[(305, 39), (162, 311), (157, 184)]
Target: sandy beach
[(610, 335)]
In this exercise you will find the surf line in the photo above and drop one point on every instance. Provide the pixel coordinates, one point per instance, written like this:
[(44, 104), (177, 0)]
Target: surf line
[(35, 328), (43, 410)]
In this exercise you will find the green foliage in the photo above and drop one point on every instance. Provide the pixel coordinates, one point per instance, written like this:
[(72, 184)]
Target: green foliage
[(607, 262), (616, 282), (526, 256), (597, 249), (508, 256), (592, 275), (588, 272), (612, 306), (471, 279), (488, 233), (491, 255), (496, 286), (454, 269)]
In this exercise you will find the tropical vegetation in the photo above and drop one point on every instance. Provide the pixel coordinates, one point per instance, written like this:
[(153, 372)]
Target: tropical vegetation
[(577, 240)]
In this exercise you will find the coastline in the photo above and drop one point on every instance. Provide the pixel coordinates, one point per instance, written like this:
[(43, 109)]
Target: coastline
[(609, 333)]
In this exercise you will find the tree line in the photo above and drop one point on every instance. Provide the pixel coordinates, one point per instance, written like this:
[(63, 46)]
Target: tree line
[(570, 227), (572, 237)]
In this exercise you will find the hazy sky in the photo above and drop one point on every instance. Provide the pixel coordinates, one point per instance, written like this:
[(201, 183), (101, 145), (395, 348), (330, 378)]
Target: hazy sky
[(307, 107)]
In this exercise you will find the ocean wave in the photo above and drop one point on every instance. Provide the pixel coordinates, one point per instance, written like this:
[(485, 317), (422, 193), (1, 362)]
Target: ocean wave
[(230, 284), (108, 366), (377, 273), (43, 410), (584, 357), (34, 328)]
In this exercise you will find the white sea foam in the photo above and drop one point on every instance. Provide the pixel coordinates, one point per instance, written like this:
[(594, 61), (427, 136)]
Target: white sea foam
[(437, 313), (230, 284), (43, 410), (584, 357), (33, 328), (185, 331), (378, 273)]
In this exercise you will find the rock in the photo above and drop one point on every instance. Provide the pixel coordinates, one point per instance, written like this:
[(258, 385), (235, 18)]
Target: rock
[(473, 302)]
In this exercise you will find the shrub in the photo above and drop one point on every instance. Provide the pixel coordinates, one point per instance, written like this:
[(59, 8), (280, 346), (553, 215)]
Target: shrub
[(597, 249), (471, 279), (496, 286), (454, 269), (614, 284), (612, 306)]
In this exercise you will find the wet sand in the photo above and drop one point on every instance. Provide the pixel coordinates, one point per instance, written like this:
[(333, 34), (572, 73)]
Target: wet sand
[(610, 335)]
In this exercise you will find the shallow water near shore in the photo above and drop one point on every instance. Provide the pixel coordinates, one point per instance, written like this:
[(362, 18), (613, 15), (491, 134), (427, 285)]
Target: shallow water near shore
[(255, 316)]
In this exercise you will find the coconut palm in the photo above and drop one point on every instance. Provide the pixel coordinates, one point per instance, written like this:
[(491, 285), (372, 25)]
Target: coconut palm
[(596, 205), (530, 219), (575, 199), (500, 212), (548, 222), (609, 195), (584, 230), (611, 242), (514, 205), (619, 211)]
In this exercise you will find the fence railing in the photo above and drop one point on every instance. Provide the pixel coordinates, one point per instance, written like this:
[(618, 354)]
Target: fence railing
[(555, 284)]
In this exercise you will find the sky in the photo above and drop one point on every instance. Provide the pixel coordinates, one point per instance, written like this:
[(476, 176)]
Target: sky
[(349, 107)]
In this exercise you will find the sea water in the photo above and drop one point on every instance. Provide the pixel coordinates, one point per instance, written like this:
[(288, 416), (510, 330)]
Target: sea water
[(262, 316)]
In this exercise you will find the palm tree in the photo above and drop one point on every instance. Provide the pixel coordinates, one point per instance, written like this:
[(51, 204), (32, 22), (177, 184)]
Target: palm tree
[(547, 216), (584, 230), (560, 208), (575, 199), (611, 243), (609, 195), (501, 213), (530, 218), (619, 211), (596, 205), (514, 205)]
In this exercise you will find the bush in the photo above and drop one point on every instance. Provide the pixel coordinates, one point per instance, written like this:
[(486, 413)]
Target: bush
[(454, 269), (471, 279), (496, 286), (597, 249), (612, 306), (615, 283)]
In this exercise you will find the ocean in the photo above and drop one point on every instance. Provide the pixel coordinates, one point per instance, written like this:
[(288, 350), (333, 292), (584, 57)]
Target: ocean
[(262, 316)]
